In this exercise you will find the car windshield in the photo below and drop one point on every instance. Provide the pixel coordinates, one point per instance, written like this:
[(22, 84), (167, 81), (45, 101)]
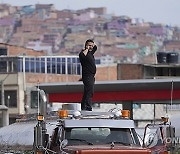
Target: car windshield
[(94, 136)]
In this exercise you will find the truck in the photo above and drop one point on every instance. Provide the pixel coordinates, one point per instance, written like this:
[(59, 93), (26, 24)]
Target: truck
[(86, 132)]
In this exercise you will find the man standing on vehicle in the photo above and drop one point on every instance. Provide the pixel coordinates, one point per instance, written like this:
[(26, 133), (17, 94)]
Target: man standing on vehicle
[(87, 60)]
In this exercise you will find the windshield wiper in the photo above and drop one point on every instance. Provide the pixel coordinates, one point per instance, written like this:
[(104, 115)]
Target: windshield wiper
[(118, 142), (81, 140)]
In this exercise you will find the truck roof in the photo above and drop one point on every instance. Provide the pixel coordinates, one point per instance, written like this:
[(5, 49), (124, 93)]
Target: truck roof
[(110, 123), (95, 119)]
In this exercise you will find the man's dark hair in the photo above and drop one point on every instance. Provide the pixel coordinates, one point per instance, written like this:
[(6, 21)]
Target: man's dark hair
[(89, 40)]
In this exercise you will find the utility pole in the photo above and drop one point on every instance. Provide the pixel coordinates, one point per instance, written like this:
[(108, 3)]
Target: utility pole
[(2, 93), (3, 107)]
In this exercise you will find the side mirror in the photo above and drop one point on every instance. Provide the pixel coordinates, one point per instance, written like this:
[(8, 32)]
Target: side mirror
[(150, 140)]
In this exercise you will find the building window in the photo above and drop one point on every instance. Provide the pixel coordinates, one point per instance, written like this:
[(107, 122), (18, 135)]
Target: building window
[(3, 51), (10, 98), (32, 65), (20, 64), (27, 69), (79, 69), (8, 65), (63, 66), (69, 62), (38, 68), (3, 66), (54, 66), (59, 66), (42, 65), (49, 68), (74, 66), (50, 65)]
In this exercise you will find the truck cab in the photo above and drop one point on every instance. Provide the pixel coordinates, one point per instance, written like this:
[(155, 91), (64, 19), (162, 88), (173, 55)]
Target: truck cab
[(86, 132)]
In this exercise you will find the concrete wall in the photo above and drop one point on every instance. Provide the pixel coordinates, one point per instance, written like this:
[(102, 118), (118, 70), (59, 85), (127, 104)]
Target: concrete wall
[(21, 93), (9, 79), (32, 78)]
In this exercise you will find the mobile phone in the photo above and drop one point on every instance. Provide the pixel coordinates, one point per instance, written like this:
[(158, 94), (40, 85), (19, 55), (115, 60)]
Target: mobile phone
[(95, 47)]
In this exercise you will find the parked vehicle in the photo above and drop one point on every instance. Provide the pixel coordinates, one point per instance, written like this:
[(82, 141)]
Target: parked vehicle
[(88, 132)]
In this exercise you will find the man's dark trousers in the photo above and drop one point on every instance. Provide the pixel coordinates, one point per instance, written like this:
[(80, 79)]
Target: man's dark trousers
[(88, 81)]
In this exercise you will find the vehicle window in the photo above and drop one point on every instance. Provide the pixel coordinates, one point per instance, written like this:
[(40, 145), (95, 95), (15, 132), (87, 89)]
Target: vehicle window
[(93, 136), (120, 135)]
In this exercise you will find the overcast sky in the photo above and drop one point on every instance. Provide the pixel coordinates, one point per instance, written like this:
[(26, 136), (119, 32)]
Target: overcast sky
[(157, 11)]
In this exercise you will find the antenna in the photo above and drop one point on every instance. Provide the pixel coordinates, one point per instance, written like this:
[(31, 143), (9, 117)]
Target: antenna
[(172, 89), (38, 90)]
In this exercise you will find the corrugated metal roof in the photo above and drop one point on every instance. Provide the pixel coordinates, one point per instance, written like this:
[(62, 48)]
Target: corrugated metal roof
[(21, 133)]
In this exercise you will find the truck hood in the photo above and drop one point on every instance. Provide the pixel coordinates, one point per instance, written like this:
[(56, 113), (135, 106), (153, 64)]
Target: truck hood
[(106, 149)]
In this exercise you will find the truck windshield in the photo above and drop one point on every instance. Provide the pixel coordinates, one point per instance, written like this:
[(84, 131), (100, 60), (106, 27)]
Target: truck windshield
[(94, 136)]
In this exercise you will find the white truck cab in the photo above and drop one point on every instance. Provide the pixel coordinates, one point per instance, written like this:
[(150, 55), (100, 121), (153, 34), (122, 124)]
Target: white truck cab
[(94, 132)]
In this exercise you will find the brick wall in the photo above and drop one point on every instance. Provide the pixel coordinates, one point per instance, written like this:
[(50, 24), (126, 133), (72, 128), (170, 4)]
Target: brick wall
[(106, 72), (130, 71), (103, 73)]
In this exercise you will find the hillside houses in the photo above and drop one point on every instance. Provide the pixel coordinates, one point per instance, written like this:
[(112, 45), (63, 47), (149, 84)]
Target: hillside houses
[(59, 32)]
